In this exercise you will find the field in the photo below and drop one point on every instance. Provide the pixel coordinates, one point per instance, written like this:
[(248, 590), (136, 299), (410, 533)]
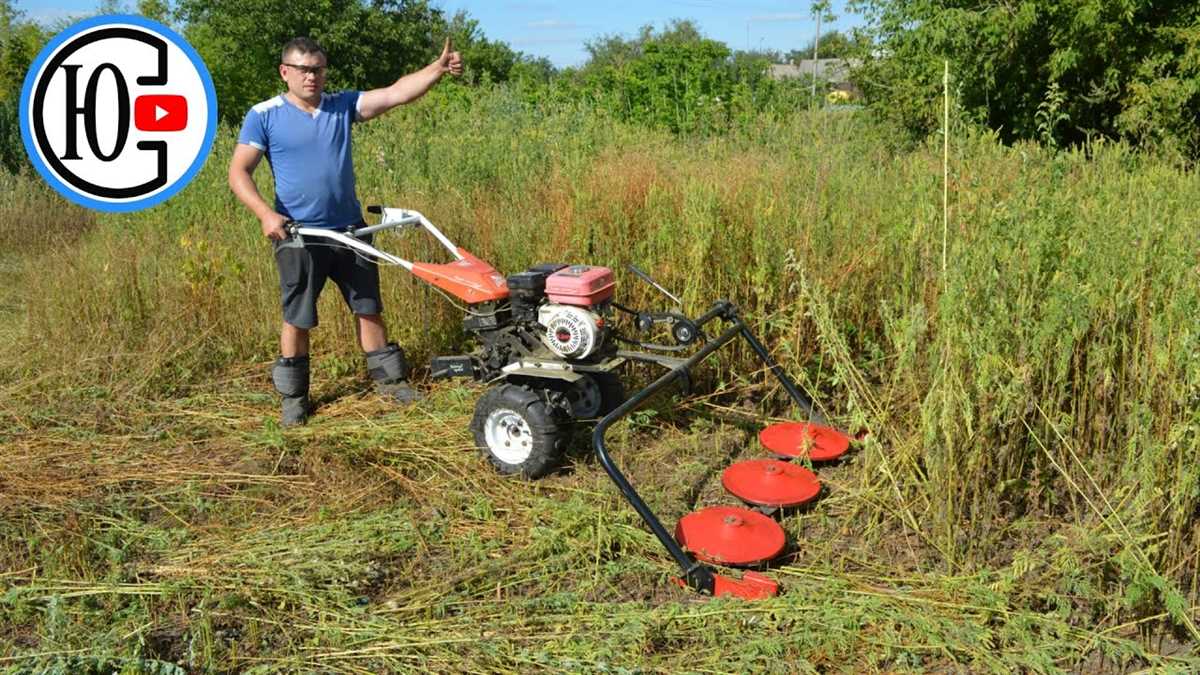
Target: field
[(1026, 498)]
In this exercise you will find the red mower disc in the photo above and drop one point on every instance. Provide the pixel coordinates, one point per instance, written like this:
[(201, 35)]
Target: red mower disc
[(770, 482), (730, 535), (801, 439)]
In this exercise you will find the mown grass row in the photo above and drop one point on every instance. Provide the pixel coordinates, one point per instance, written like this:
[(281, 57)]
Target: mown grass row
[(1032, 406), (376, 541)]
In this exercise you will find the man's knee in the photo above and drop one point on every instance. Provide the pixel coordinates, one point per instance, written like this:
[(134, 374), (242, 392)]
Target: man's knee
[(371, 324), (293, 335)]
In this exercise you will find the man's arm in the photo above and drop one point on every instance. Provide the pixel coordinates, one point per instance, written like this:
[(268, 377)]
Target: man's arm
[(241, 181), (410, 87)]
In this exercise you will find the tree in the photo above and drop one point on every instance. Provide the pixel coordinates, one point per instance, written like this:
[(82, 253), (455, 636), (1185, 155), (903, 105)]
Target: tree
[(157, 10), (765, 55), (369, 45), (8, 16), (835, 45), (616, 51), (1062, 71), (611, 51), (483, 59), (20, 42), (675, 79), (111, 7), (533, 70)]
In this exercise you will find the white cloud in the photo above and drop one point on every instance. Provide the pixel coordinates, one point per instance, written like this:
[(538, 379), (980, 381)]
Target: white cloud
[(541, 40), (48, 16), (552, 24), (531, 6), (780, 17)]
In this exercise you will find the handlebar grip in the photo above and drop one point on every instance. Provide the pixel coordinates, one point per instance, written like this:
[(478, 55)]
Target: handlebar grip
[(375, 208)]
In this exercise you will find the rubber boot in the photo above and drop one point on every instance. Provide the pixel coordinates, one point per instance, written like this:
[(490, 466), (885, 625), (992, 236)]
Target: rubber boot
[(290, 375), (389, 370)]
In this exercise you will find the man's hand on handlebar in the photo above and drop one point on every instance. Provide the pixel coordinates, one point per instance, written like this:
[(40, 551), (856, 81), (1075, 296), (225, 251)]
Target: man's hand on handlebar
[(273, 226)]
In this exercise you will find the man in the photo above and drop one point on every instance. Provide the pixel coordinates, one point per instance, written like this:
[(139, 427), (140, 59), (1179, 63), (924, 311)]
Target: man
[(305, 135)]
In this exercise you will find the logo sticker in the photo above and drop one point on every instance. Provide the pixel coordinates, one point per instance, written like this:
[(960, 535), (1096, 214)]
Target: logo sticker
[(118, 113)]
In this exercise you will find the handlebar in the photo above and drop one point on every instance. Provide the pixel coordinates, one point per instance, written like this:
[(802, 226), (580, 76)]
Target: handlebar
[(391, 217)]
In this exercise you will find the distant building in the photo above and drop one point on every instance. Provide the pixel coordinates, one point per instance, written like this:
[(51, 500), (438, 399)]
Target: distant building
[(834, 71)]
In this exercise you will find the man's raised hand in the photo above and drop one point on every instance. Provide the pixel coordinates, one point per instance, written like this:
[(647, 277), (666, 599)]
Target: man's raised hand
[(450, 61)]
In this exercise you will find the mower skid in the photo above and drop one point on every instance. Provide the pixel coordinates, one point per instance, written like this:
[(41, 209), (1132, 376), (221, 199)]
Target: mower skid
[(752, 586), (445, 367)]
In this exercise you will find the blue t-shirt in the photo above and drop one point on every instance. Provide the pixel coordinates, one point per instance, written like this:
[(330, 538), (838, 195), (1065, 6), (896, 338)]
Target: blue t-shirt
[(309, 156)]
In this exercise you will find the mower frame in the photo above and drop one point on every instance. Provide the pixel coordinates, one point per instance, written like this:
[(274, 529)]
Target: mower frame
[(696, 574)]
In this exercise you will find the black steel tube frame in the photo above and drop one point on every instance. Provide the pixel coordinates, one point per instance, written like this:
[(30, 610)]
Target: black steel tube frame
[(696, 574)]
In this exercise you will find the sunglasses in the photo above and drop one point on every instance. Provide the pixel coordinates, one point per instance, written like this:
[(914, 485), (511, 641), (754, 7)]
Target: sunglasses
[(307, 70)]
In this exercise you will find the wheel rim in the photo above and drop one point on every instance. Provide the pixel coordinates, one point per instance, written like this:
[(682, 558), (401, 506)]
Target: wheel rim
[(508, 436), (585, 397)]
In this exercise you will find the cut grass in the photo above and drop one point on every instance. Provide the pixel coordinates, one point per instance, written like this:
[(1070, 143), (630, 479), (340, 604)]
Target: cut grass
[(374, 539)]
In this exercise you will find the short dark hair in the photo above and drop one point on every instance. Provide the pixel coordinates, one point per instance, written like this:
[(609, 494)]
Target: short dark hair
[(302, 45)]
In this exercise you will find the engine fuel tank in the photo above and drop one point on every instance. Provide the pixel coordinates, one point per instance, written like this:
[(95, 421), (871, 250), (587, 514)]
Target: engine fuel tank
[(580, 285)]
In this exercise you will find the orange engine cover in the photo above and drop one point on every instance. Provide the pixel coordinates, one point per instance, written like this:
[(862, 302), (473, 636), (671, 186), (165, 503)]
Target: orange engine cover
[(470, 279)]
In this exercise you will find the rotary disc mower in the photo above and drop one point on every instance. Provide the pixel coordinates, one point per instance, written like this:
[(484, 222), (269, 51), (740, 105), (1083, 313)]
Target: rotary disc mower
[(551, 342)]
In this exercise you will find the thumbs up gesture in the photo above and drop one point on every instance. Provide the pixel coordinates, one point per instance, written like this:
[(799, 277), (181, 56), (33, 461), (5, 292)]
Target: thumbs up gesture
[(450, 61)]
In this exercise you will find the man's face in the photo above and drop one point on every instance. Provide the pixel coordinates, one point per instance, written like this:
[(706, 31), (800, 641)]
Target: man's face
[(304, 74)]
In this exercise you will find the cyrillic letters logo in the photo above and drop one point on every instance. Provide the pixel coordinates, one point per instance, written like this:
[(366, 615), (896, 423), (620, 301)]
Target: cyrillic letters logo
[(118, 113)]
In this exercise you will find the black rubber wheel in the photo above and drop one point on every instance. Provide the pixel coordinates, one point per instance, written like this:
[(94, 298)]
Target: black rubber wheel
[(593, 396), (612, 392), (517, 432)]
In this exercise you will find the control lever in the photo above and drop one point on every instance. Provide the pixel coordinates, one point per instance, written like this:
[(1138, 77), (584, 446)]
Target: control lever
[(646, 278)]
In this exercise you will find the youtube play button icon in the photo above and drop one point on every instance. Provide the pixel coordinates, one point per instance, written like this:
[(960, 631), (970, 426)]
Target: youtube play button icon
[(160, 112)]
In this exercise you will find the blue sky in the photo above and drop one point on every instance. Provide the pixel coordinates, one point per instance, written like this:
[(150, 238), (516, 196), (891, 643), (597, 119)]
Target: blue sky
[(558, 30)]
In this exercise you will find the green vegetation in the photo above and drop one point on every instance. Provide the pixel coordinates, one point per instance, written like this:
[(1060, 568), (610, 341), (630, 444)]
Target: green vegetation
[(835, 45), (1061, 71), (369, 44), (1026, 498), (20, 42), (678, 80)]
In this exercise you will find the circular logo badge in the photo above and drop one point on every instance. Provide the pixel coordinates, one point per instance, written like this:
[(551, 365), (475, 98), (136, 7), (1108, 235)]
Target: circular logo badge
[(118, 113)]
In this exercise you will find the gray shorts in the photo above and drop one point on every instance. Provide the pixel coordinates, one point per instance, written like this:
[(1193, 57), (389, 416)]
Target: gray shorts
[(303, 270)]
